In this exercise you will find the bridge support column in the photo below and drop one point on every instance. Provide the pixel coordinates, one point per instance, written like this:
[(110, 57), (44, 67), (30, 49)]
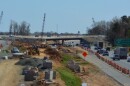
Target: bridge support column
[(62, 41)]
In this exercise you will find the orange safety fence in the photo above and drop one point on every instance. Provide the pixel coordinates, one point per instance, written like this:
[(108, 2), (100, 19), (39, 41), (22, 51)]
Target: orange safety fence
[(105, 59), (102, 58), (98, 55), (112, 63), (117, 67), (1, 46), (120, 68), (125, 71)]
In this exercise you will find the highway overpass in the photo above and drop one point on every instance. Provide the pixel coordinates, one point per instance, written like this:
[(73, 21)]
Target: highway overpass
[(89, 38)]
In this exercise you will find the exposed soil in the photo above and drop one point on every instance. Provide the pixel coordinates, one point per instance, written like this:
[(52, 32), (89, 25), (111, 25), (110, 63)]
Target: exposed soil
[(56, 64), (42, 54), (94, 76), (10, 73)]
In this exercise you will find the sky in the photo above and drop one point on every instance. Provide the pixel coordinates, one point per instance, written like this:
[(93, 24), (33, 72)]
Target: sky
[(61, 15)]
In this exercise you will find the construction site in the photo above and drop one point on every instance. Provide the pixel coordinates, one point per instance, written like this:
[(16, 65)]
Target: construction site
[(45, 63), (42, 65)]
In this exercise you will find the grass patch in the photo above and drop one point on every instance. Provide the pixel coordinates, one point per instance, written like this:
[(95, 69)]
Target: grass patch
[(78, 60), (85, 63), (66, 58), (69, 78)]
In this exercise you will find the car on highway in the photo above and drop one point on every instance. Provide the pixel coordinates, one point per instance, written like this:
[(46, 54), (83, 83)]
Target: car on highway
[(115, 57), (97, 48), (100, 51), (108, 49), (105, 53), (86, 46), (128, 59)]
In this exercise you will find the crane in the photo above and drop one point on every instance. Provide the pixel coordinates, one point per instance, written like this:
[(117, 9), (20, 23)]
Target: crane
[(43, 26), (93, 20), (94, 23), (1, 16)]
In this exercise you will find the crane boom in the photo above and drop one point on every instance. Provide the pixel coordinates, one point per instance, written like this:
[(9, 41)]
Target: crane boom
[(1, 16), (93, 20), (43, 25)]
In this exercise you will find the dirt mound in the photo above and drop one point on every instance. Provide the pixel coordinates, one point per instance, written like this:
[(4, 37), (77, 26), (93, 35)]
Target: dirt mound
[(53, 53), (29, 61)]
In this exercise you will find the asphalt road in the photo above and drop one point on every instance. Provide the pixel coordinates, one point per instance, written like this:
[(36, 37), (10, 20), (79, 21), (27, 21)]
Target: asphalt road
[(117, 75), (122, 63)]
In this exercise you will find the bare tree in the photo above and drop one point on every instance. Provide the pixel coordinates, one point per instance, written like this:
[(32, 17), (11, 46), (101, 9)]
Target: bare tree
[(22, 29)]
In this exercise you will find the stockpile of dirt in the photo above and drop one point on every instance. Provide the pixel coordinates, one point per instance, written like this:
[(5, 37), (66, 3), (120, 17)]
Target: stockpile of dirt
[(30, 61), (53, 53)]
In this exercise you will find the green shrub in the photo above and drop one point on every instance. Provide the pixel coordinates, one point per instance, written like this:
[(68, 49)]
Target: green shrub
[(66, 58), (69, 77)]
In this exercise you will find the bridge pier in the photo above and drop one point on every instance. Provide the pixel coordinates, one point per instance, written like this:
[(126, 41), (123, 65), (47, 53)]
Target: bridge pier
[(62, 42)]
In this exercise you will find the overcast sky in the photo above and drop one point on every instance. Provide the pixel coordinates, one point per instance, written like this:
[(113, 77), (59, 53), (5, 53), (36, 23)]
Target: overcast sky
[(61, 15)]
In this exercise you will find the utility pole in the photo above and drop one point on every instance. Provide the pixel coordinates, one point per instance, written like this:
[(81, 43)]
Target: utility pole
[(10, 28), (43, 27), (57, 29)]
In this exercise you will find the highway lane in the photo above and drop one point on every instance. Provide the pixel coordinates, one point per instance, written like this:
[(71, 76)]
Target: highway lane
[(122, 63), (120, 77)]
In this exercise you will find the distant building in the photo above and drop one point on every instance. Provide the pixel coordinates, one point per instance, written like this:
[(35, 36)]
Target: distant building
[(72, 42)]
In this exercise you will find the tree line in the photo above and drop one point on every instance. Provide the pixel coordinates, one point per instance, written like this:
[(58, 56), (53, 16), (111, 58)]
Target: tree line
[(114, 29), (19, 29)]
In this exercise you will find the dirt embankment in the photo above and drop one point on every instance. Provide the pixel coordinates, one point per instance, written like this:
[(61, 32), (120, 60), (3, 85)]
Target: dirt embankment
[(92, 75), (10, 73)]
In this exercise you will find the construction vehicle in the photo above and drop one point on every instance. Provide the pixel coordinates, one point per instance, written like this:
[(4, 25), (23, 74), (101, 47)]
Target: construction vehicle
[(15, 52)]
